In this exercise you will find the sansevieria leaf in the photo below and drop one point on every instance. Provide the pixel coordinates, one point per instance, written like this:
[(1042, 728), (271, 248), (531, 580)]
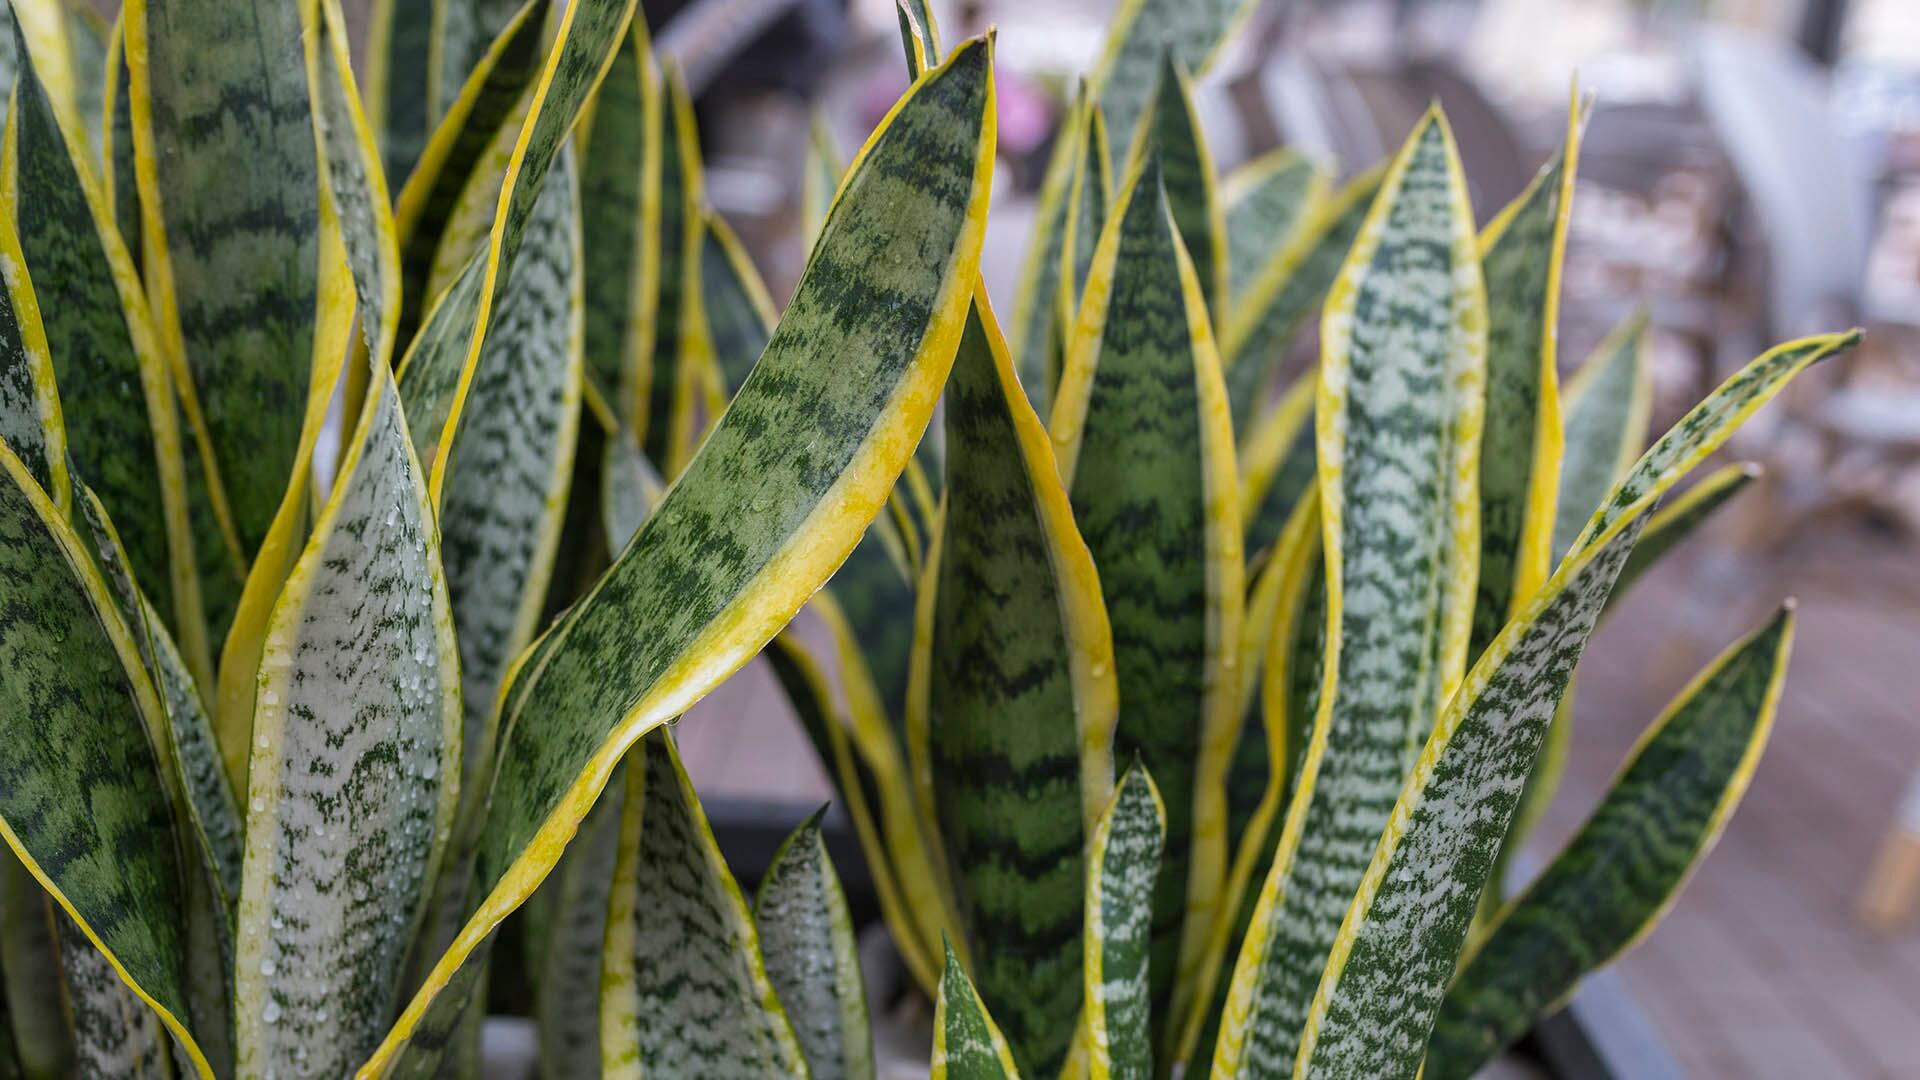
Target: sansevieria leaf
[(1401, 938), (1624, 867), (967, 1045), (86, 806), (1065, 225), (1171, 129), (566, 935), (1608, 405), (620, 214), (462, 31), (399, 35), (1256, 331), (42, 1039), (114, 1032), (1089, 196), (1277, 464), (683, 990), (1019, 718), (1685, 513), (812, 959), (1403, 344), (777, 495), (734, 302), (659, 397), (30, 419), (1265, 201), (1122, 862), (1146, 450)]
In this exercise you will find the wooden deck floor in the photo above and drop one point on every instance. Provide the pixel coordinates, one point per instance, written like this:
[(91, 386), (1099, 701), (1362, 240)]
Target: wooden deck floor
[(1760, 971)]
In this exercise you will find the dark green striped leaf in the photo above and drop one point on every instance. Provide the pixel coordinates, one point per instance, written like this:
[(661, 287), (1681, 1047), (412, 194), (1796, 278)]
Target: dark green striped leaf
[(1255, 334), (808, 449), (1123, 860), (734, 302), (462, 31), (1398, 416), (1171, 130), (30, 420), (1623, 868), (1087, 202), (116, 156), (966, 1044), (806, 937), (229, 190), (355, 765), (399, 65), (1147, 451), (1399, 944), (86, 804), (566, 932), (620, 212), (1521, 252), (684, 992), (659, 399), (1266, 200), (1277, 465), (1608, 405), (1021, 709)]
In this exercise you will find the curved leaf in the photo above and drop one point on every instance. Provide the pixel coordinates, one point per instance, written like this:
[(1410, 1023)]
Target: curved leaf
[(1090, 194), (567, 927), (1141, 35), (1022, 699), (1146, 449), (1266, 200), (966, 1044), (812, 959), (462, 32), (1123, 859), (1609, 403), (1624, 867), (850, 375), (1398, 416), (620, 214), (683, 990)]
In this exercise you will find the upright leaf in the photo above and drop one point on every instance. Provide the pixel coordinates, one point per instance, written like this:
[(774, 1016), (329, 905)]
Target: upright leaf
[(41, 1036), (1146, 449), (462, 31), (1141, 35), (1122, 862), (86, 806), (812, 958), (1277, 464), (1398, 417), (1401, 938), (399, 36), (1267, 200), (683, 990), (115, 1033), (1521, 254), (849, 379), (821, 178), (30, 419), (1088, 199), (620, 214), (1623, 868), (966, 1043), (658, 399), (734, 302), (567, 926), (1171, 130), (1608, 405), (354, 773), (1256, 332), (1020, 714), (87, 35), (229, 192)]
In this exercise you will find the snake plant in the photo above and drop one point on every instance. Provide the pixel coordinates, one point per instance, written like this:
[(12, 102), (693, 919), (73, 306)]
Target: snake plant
[(386, 468)]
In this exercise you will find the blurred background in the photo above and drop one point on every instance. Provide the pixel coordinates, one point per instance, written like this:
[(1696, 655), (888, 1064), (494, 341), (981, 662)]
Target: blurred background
[(1751, 173)]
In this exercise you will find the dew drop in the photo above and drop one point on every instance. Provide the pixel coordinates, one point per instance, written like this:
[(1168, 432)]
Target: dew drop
[(272, 1013), (258, 805), (267, 968)]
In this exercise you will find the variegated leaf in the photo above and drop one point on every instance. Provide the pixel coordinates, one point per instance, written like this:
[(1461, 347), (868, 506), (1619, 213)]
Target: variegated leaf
[(1089, 195), (229, 193), (30, 420), (1267, 200), (620, 214), (40, 1033), (116, 155), (821, 179), (812, 959), (966, 1043), (115, 1033), (87, 806), (87, 36), (399, 67), (566, 930), (683, 990), (1256, 332), (1398, 415), (1277, 464), (658, 399), (734, 302), (462, 31), (355, 765), (1146, 449), (1171, 130), (1608, 405), (1521, 253), (1623, 868), (850, 376), (1123, 860), (1401, 937), (1019, 717)]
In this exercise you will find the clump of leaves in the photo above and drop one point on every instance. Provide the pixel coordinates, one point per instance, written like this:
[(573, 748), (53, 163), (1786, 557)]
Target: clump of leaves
[(293, 727)]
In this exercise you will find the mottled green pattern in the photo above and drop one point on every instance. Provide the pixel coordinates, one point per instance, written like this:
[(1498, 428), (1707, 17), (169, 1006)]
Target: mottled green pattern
[(733, 298), (616, 176), (238, 197), (95, 363), (116, 1036), (1266, 199), (692, 999), (1140, 497), (80, 786), (30, 422), (1141, 35), (1256, 335), (1292, 479), (401, 72), (1172, 131), (354, 767), (658, 416), (358, 191), (630, 487), (1606, 426), (886, 260), (966, 1046), (118, 161), (465, 29), (1004, 739), (1399, 390), (1625, 865), (1122, 866), (1091, 192), (1518, 265), (512, 460), (567, 945), (806, 936)]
